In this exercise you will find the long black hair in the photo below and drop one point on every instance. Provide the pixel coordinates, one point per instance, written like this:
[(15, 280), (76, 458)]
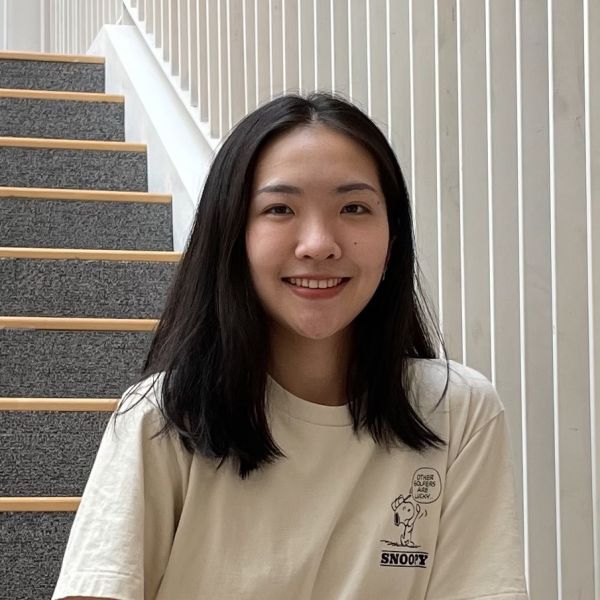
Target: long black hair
[(211, 340)]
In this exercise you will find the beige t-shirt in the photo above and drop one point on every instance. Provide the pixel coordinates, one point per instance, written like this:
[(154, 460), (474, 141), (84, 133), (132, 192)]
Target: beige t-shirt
[(339, 519)]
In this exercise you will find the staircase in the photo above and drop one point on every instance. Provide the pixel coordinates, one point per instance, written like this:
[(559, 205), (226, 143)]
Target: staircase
[(85, 263)]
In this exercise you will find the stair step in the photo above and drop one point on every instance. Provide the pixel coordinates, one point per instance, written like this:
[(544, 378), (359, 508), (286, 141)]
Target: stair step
[(32, 546), (85, 283), (59, 357), (46, 218), (73, 164), (49, 453), (41, 71), (77, 116)]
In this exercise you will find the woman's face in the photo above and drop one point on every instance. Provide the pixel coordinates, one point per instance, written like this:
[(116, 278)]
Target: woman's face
[(317, 213)]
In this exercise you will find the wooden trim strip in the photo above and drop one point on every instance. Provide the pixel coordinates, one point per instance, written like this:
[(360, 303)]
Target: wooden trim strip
[(78, 324), (56, 504), (59, 404), (91, 195), (52, 95), (71, 144), (84, 58), (85, 254)]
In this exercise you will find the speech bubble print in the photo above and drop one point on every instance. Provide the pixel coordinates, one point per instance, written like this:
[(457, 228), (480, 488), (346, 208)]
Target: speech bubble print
[(426, 485)]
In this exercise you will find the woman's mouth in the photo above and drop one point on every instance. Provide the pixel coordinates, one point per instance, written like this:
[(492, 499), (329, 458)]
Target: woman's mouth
[(313, 288), (315, 283)]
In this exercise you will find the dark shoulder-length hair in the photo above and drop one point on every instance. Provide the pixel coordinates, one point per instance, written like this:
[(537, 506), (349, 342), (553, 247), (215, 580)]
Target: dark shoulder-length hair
[(211, 340)]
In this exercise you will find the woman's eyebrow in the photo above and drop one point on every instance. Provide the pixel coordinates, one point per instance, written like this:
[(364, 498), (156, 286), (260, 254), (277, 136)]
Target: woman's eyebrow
[(282, 188)]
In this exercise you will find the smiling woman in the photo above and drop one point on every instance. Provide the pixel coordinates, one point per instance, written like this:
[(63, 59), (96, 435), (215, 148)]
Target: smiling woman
[(294, 433)]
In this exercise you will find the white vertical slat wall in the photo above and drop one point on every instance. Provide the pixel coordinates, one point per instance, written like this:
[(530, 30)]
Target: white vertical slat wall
[(493, 108)]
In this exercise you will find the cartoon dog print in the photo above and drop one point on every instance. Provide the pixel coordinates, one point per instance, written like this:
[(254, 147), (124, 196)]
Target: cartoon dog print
[(406, 512)]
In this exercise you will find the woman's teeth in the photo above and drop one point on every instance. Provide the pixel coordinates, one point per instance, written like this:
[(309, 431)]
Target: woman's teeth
[(314, 284)]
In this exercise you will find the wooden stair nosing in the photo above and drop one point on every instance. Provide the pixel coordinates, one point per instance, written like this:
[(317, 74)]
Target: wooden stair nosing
[(89, 254), (78, 323), (40, 504), (60, 95), (83, 195), (63, 144), (59, 404), (50, 57)]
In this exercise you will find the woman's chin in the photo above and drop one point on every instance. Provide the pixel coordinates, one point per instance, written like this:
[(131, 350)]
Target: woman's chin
[(315, 332)]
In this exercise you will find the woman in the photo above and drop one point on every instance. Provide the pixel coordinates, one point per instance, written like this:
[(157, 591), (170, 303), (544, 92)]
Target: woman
[(311, 444)]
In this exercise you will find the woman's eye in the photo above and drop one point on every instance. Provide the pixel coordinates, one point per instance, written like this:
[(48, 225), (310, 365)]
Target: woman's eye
[(277, 210), (363, 209)]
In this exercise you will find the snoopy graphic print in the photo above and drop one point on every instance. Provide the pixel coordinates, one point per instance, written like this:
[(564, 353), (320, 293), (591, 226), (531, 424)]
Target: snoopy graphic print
[(408, 512)]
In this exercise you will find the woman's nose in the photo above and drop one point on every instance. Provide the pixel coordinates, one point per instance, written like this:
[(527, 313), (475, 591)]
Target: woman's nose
[(317, 241)]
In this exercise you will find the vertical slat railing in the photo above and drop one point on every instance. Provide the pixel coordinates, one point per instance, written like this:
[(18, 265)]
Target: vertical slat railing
[(535, 299), (424, 145), (357, 33), (193, 57), (340, 63), (291, 59), (570, 297), (165, 32), (322, 44), (174, 41), (377, 63), (157, 24), (448, 161), (475, 212), (306, 45), (223, 64), (235, 67), (262, 49), (503, 191), (591, 18), (212, 36), (250, 56), (276, 46), (202, 44), (183, 37)]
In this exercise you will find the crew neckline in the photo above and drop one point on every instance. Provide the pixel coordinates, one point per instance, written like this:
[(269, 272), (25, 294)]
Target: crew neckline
[(318, 414)]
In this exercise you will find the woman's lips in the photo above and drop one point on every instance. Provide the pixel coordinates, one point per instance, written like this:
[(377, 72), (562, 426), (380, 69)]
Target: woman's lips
[(317, 293)]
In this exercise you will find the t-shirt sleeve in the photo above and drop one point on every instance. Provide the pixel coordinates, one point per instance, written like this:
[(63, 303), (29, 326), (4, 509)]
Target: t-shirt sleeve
[(479, 551), (123, 530)]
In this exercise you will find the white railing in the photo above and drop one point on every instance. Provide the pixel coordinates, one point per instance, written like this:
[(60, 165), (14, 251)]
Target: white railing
[(489, 108), (70, 26)]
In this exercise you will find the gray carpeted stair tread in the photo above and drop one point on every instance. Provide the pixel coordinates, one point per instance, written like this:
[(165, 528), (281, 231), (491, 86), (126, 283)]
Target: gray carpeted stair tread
[(50, 75), (48, 453), (72, 364), (32, 545), (67, 119), (34, 223), (84, 288), (73, 169)]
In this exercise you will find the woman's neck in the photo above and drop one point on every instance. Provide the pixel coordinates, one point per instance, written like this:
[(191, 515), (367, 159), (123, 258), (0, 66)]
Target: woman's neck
[(314, 370)]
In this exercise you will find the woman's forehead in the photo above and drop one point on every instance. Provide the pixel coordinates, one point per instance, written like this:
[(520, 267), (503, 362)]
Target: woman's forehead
[(306, 153)]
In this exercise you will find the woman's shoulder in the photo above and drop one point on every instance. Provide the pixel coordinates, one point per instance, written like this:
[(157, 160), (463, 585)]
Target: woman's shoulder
[(141, 402), (469, 403)]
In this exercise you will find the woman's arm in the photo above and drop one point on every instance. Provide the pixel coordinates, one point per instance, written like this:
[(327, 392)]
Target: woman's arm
[(122, 533), (479, 553)]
